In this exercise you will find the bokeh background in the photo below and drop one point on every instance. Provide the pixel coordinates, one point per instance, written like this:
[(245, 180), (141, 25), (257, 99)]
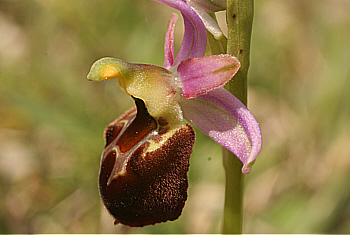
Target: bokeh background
[(52, 118)]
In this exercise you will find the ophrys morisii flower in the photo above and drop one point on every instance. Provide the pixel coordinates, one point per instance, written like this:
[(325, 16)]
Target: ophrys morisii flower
[(143, 174)]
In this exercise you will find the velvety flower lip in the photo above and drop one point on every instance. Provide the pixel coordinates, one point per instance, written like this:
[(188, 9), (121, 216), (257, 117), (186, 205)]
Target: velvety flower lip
[(143, 173)]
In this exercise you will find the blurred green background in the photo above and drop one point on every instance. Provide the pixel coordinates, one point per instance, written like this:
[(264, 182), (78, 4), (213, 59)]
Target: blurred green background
[(52, 118)]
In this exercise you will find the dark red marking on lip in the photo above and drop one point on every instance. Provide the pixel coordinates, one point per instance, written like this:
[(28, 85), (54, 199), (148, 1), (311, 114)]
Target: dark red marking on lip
[(142, 125), (113, 129), (112, 132)]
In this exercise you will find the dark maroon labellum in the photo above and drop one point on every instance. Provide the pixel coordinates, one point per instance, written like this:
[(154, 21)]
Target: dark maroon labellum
[(143, 174)]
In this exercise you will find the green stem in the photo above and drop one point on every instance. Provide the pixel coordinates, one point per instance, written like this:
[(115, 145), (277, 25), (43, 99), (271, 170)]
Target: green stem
[(239, 22)]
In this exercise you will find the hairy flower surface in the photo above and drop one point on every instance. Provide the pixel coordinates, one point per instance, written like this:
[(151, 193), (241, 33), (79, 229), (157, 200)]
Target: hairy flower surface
[(143, 175)]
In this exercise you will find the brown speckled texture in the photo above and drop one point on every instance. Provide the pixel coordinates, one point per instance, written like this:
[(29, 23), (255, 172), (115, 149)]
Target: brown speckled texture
[(154, 186)]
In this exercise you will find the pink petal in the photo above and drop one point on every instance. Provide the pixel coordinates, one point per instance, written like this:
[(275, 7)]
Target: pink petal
[(169, 43), (195, 38), (194, 42), (225, 119), (201, 75), (210, 24)]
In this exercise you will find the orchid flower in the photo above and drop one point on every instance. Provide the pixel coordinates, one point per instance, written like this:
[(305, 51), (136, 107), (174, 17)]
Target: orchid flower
[(143, 173)]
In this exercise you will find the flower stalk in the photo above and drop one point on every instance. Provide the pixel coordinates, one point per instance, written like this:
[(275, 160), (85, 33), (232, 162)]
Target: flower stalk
[(239, 22)]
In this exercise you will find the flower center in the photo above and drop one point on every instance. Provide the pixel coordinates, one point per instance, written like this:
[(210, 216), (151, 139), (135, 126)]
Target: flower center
[(156, 86)]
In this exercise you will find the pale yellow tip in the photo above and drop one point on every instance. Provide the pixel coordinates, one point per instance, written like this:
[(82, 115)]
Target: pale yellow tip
[(107, 68)]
